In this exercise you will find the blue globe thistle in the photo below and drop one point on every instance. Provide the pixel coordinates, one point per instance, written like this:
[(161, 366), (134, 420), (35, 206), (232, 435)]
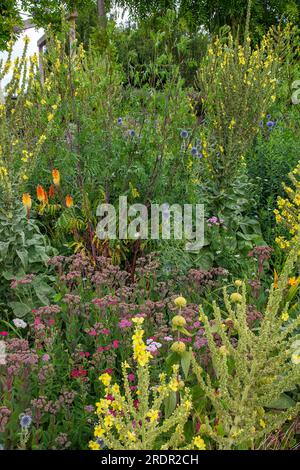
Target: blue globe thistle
[(120, 121), (184, 134), (270, 124), (131, 133), (194, 151), (261, 124), (269, 116), (101, 443), (25, 421)]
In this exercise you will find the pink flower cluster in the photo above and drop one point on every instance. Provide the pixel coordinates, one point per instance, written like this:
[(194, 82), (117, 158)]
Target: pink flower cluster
[(21, 282)]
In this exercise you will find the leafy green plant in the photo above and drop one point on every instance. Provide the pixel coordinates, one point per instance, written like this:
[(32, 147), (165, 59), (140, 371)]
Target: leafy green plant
[(249, 390), (23, 250), (274, 155), (115, 429), (238, 84)]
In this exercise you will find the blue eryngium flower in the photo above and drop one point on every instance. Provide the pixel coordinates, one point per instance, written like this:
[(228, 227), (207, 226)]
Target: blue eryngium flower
[(101, 443), (184, 134), (120, 121), (131, 133), (270, 124), (194, 151), (25, 421)]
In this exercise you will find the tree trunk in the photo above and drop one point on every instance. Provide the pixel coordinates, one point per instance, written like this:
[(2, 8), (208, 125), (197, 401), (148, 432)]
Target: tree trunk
[(101, 11)]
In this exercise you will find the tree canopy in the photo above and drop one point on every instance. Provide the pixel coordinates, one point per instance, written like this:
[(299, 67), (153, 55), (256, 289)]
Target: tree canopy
[(9, 19), (212, 14)]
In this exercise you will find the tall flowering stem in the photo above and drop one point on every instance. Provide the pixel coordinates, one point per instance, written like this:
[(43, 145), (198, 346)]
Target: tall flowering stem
[(133, 419), (253, 373)]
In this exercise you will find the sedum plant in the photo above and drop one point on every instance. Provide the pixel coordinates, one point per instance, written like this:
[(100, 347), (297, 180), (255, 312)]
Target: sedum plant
[(129, 423), (253, 372)]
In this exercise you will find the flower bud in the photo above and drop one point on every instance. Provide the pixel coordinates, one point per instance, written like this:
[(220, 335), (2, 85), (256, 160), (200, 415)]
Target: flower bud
[(178, 347), (178, 321), (180, 302), (236, 297)]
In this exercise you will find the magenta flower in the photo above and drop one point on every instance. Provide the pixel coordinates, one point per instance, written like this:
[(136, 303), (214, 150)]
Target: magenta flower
[(110, 398), (92, 332)]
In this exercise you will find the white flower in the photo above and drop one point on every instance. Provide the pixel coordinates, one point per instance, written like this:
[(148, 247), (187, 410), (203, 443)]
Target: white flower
[(19, 323), (153, 346)]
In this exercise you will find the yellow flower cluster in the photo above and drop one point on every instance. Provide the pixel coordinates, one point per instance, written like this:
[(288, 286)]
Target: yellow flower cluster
[(287, 213), (127, 423), (199, 443), (140, 353), (244, 80)]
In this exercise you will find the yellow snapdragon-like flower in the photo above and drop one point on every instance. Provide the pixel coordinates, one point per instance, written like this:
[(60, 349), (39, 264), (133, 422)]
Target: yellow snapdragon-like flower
[(140, 353), (108, 421), (285, 316), (94, 445), (262, 423), (174, 384), (99, 431), (153, 415), (131, 436), (199, 443), (105, 379), (102, 406)]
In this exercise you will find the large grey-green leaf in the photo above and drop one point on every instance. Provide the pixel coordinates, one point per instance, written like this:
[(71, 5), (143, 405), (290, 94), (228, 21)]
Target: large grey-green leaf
[(19, 309), (283, 403)]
